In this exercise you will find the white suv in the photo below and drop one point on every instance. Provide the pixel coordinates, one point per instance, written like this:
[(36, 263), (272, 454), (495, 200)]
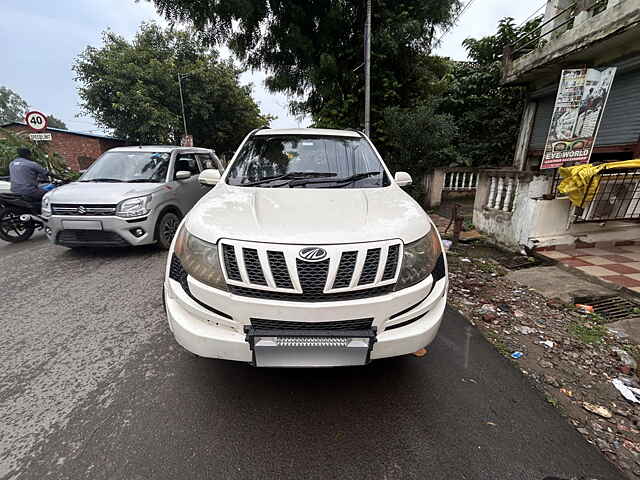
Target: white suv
[(307, 253)]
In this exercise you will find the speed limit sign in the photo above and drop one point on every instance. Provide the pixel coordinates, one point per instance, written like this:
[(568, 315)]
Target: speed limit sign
[(36, 120)]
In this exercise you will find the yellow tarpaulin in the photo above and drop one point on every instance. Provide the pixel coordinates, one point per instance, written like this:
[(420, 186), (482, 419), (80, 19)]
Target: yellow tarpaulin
[(575, 180)]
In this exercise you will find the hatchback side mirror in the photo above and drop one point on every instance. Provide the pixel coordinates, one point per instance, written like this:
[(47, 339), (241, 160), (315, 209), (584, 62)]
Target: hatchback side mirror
[(403, 179), (183, 175), (210, 176)]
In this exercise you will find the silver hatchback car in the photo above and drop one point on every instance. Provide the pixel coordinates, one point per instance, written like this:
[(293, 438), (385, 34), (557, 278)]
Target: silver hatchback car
[(129, 196)]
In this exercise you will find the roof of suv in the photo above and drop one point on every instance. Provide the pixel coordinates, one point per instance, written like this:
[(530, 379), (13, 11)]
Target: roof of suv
[(308, 131), (155, 148)]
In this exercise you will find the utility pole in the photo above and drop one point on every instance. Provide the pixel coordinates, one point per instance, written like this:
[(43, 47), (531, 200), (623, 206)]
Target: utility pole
[(184, 119), (367, 71)]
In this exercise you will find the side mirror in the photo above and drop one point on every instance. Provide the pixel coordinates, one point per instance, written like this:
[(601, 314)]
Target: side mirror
[(403, 179), (210, 176), (183, 175)]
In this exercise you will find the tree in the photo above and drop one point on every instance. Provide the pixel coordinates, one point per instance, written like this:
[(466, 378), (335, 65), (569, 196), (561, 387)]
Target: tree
[(486, 113), (10, 142), (314, 49), (54, 122), (132, 88), (12, 106), (420, 138)]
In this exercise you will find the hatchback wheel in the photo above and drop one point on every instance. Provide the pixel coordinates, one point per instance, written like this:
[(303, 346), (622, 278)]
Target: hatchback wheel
[(166, 229)]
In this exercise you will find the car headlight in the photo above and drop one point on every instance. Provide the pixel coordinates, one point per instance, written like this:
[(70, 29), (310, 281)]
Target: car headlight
[(134, 207), (199, 259), (419, 259), (46, 205)]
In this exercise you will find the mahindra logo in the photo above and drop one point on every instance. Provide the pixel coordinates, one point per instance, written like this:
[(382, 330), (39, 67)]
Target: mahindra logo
[(312, 254), (82, 210)]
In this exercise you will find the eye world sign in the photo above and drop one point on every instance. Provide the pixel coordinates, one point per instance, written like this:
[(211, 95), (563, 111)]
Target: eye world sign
[(582, 96)]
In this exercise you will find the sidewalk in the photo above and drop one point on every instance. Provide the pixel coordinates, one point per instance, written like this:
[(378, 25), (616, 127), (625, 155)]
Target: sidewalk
[(616, 264)]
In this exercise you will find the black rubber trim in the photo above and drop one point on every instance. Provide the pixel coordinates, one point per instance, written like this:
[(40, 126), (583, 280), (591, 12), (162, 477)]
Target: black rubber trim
[(439, 271), (404, 324), (395, 315), (137, 220)]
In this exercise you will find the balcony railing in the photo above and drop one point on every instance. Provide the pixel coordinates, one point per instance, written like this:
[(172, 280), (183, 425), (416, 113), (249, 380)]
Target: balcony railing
[(560, 22)]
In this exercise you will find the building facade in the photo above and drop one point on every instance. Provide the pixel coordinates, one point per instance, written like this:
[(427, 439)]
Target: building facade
[(78, 149), (520, 206)]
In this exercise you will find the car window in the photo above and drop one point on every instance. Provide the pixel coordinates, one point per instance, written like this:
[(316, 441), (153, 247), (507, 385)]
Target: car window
[(206, 161), (186, 163), (128, 166)]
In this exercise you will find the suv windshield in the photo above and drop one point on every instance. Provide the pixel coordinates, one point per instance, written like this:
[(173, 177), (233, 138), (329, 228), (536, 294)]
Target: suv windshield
[(307, 162), (129, 167)]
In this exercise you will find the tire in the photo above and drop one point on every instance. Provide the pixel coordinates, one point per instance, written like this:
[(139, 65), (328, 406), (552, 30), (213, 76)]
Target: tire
[(166, 229), (12, 229)]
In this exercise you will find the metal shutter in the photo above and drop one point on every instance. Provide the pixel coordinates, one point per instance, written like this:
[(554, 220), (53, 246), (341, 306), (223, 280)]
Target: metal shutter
[(541, 122)]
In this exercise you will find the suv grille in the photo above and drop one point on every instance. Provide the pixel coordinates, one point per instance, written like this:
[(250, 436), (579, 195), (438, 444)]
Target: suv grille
[(276, 272), (93, 210)]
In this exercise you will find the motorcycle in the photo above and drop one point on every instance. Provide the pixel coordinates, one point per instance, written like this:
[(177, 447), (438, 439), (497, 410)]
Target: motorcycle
[(20, 216)]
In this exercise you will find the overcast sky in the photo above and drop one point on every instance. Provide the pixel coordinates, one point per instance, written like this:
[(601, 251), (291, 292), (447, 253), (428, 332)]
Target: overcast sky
[(41, 38)]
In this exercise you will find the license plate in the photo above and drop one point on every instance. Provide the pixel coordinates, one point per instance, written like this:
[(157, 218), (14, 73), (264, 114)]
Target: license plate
[(82, 225), (289, 349)]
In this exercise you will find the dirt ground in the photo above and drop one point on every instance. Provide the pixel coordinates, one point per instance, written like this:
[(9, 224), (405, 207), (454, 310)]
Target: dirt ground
[(569, 355)]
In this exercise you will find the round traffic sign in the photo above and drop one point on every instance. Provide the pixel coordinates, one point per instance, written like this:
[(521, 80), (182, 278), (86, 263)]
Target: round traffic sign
[(36, 120)]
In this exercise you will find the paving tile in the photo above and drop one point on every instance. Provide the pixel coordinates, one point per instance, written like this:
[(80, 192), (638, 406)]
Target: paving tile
[(631, 248), (623, 280), (634, 256), (620, 268), (595, 271), (618, 258), (636, 289), (578, 262), (633, 265), (555, 254), (634, 276), (590, 251), (594, 260)]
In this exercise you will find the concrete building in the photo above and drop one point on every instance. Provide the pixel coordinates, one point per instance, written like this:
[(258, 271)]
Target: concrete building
[(519, 206), (78, 149)]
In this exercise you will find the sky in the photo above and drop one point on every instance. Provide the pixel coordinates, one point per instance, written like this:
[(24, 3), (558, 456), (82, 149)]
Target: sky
[(41, 38)]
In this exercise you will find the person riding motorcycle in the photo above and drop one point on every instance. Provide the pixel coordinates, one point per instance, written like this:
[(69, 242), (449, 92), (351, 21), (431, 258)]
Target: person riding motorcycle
[(26, 174)]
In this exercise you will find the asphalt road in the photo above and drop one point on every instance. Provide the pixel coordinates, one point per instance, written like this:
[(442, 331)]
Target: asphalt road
[(92, 386)]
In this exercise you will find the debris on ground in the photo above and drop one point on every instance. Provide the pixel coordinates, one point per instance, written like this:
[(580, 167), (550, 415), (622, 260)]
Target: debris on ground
[(583, 367)]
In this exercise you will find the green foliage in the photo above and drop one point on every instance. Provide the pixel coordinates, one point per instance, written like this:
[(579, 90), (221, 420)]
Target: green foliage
[(419, 138), (10, 142), (314, 49), (54, 122), (587, 331), (12, 106), (486, 113), (132, 88)]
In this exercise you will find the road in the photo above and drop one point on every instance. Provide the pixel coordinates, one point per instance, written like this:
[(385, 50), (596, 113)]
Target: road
[(92, 386)]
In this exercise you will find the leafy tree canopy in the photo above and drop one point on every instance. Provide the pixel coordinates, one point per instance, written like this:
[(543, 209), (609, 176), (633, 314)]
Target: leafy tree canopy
[(132, 88), (314, 49), (12, 106), (487, 114), (55, 122)]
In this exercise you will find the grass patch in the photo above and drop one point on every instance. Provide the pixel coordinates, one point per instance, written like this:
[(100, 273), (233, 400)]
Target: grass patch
[(588, 331), (499, 345)]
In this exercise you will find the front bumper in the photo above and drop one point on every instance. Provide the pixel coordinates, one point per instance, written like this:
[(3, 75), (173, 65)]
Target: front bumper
[(72, 231), (211, 323)]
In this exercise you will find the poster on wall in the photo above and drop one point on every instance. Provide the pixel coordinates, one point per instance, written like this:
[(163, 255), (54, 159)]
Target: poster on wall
[(582, 96)]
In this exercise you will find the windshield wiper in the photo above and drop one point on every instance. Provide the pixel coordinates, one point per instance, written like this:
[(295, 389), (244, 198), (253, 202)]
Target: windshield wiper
[(289, 176), (343, 180), (142, 180), (102, 180)]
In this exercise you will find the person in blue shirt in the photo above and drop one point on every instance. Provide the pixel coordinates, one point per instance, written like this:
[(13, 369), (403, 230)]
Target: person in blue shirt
[(26, 175)]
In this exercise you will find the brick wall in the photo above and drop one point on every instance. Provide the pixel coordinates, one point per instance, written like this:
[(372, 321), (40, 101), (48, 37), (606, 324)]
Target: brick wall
[(79, 151)]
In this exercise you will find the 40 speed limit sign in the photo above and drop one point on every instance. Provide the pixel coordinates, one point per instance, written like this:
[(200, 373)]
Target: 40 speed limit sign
[(36, 120)]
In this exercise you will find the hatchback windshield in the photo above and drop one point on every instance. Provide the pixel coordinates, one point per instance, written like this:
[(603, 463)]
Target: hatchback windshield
[(307, 162), (129, 167)]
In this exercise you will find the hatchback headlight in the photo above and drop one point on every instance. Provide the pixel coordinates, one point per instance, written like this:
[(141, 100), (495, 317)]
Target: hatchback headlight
[(134, 207), (46, 205), (199, 259), (419, 259)]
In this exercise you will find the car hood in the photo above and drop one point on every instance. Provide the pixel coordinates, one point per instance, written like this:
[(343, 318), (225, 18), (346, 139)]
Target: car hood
[(100, 193), (307, 216)]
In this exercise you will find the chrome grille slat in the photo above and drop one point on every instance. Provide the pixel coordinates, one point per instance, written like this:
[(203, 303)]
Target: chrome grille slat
[(83, 210)]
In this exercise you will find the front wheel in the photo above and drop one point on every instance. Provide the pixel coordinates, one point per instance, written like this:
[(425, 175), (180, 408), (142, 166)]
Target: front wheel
[(166, 229), (12, 229)]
